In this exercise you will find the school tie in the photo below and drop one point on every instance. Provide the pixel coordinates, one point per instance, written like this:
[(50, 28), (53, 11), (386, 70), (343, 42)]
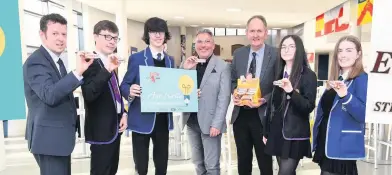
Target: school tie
[(252, 67), (286, 75), (63, 71), (340, 78), (117, 96), (159, 56)]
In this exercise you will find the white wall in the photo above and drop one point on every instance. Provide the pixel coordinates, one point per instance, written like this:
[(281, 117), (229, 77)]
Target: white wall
[(225, 42)]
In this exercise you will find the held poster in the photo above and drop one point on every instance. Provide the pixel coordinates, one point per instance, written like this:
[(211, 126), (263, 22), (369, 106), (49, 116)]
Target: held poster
[(12, 102), (168, 90)]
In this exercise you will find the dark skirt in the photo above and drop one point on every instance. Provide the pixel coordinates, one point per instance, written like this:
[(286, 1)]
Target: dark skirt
[(280, 147)]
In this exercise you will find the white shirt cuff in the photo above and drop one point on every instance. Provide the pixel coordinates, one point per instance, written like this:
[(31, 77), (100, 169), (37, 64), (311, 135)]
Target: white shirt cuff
[(77, 76)]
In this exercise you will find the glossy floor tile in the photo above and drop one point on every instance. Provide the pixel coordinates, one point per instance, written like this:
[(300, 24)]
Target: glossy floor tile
[(21, 162)]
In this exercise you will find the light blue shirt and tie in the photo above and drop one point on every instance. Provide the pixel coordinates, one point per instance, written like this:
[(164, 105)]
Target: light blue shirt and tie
[(259, 59)]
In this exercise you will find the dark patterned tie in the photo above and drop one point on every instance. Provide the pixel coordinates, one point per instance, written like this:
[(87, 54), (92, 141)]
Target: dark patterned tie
[(117, 96), (252, 67), (63, 71), (159, 56)]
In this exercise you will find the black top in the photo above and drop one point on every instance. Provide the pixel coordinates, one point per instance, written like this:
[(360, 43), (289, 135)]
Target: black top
[(102, 119), (277, 144), (348, 167), (159, 63)]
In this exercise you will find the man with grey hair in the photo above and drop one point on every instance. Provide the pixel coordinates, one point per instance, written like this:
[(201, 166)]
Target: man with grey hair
[(257, 60), (205, 127)]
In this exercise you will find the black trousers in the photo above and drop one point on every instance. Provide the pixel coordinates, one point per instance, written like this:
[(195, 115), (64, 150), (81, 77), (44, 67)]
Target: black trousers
[(105, 158), (49, 165), (248, 135), (160, 139)]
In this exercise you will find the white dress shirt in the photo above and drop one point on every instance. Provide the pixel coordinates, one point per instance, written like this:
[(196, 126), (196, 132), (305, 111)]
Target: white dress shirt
[(155, 54), (56, 59)]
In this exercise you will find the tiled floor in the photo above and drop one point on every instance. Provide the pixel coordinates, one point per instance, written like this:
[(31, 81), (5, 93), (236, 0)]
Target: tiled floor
[(21, 162)]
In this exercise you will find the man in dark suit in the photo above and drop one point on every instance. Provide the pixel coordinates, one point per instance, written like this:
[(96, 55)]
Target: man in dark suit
[(257, 59), (105, 116), (146, 126), (48, 88)]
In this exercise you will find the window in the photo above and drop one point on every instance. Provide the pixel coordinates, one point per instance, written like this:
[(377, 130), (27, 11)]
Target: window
[(220, 32), (31, 29), (241, 31), (35, 6), (231, 31), (76, 31), (54, 8), (81, 39)]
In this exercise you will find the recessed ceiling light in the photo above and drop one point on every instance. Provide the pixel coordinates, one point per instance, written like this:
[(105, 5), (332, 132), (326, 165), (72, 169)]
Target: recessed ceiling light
[(233, 10), (179, 17), (194, 25), (276, 28)]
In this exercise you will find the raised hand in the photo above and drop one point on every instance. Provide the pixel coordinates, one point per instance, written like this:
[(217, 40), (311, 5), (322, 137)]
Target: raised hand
[(286, 85), (82, 62), (114, 62), (190, 62)]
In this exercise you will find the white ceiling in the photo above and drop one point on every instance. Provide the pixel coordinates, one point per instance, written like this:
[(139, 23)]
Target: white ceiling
[(216, 13)]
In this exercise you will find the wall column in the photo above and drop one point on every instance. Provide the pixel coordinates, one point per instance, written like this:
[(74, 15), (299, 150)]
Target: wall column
[(71, 36), (87, 29), (122, 46), (309, 40)]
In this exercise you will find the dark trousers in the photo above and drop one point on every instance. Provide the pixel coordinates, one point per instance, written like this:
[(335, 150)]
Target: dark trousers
[(248, 135), (49, 165), (105, 157), (160, 139)]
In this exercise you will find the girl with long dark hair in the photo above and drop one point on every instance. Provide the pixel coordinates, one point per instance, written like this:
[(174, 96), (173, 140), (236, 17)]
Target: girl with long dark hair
[(293, 99)]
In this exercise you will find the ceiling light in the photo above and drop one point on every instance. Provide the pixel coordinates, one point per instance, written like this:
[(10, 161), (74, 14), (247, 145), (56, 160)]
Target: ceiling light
[(236, 24), (179, 17), (276, 28), (233, 10), (194, 25)]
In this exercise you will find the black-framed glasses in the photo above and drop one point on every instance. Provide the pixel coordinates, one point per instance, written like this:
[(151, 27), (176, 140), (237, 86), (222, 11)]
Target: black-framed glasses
[(109, 38), (157, 33)]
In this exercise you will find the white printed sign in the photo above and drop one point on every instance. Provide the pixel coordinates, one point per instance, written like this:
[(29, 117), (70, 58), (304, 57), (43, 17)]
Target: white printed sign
[(379, 94)]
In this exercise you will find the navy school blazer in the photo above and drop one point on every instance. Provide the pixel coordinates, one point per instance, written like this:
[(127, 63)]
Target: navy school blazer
[(139, 122), (346, 124)]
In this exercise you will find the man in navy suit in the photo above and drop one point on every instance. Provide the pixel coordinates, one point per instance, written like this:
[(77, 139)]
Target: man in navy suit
[(48, 88), (146, 126)]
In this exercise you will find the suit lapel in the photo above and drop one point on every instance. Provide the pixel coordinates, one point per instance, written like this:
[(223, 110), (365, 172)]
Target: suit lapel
[(244, 56), (266, 61), (50, 59), (210, 67), (148, 59), (167, 60)]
